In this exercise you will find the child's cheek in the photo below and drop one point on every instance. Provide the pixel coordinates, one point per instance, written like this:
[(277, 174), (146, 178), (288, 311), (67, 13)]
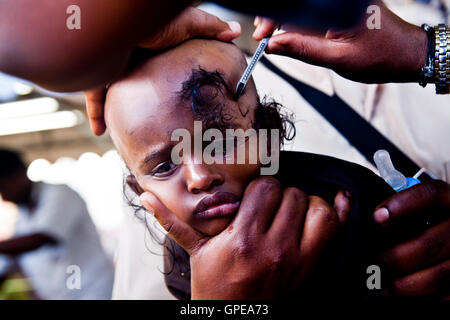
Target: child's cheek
[(241, 175), (172, 195)]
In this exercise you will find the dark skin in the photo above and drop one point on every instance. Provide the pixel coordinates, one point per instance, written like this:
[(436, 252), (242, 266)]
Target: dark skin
[(17, 188), (48, 53), (358, 54), (275, 235)]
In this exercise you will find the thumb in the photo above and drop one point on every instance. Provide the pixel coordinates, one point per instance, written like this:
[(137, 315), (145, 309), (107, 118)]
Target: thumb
[(264, 28), (308, 48), (205, 25), (182, 233), (95, 105)]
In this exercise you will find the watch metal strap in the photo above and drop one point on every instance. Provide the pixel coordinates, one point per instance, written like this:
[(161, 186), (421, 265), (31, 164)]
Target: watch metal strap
[(442, 59)]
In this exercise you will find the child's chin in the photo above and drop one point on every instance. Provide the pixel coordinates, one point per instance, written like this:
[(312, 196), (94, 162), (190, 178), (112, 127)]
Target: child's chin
[(216, 226)]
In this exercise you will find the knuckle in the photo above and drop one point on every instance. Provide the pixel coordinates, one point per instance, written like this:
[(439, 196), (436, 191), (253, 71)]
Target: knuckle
[(189, 11), (443, 273), (168, 226), (391, 257), (295, 45), (431, 190), (298, 47), (242, 247), (190, 29), (433, 246), (297, 194), (208, 20), (217, 21), (275, 262), (306, 49), (274, 259), (268, 185), (326, 214), (196, 246), (402, 286), (442, 190)]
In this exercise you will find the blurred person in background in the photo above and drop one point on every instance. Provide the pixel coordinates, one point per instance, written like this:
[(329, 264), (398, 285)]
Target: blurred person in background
[(55, 243)]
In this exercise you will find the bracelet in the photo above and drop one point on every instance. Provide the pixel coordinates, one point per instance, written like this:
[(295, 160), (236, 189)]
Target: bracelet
[(427, 72), (442, 59)]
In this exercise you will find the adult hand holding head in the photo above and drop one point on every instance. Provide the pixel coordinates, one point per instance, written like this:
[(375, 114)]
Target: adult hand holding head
[(395, 52), (191, 23), (36, 43), (269, 248)]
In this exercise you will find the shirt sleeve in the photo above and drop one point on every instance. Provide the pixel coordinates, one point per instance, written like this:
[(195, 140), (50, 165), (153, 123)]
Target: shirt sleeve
[(5, 264), (59, 212)]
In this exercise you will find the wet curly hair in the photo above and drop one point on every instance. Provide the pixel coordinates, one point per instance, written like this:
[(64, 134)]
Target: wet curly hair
[(209, 105)]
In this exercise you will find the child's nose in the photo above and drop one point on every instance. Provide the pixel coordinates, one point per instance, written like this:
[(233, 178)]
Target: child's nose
[(201, 177)]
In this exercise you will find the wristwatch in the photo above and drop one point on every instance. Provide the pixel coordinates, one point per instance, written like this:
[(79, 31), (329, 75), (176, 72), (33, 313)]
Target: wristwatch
[(437, 65), (442, 59)]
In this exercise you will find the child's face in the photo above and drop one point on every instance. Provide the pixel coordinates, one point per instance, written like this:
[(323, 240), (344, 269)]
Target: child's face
[(145, 108)]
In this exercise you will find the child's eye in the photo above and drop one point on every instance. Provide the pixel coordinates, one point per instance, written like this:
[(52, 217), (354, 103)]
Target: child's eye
[(163, 169)]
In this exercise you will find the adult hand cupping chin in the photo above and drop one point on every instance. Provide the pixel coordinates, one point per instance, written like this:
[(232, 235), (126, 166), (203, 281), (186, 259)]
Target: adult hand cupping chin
[(269, 248)]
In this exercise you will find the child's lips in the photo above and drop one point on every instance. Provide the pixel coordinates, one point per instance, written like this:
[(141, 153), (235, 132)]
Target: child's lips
[(220, 211), (219, 204)]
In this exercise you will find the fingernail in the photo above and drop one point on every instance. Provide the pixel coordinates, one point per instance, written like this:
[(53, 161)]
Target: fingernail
[(256, 33), (145, 199), (381, 215), (347, 194), (257, 21), (234, 26)]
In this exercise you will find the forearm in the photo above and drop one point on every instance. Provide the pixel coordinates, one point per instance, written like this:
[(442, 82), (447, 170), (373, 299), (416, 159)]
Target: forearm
[(395, 53), (36, 44), (411, 44), (24, 244)]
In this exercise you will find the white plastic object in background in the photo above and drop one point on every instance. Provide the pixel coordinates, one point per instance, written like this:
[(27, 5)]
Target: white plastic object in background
[(387, 171)]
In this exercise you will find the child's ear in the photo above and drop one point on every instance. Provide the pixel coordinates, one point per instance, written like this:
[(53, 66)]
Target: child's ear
[(134, 185)]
